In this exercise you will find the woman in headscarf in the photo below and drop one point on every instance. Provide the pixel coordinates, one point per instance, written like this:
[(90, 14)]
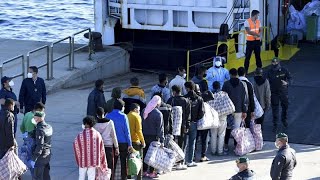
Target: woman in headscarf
[(152, 127)]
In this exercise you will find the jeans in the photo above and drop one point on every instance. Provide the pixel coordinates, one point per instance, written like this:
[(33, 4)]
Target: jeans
[(138, 147), (110, 159), (191, 142), (253, 46), (123, 150), (148, 139), (217, 136), (91, 171)]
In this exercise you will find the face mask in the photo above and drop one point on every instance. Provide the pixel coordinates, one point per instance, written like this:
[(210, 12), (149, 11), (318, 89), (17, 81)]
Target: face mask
[(11, 83), (33, 121), (276, 144), (83, 126), (29, 75), (218, 63), (184, 75)]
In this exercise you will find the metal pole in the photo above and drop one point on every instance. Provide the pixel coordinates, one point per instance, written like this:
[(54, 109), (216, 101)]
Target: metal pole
[(188, 64), (51, 62), (1, 69), (28, 60), (23, 67), (72, 52), (90, 45), (48, 63)]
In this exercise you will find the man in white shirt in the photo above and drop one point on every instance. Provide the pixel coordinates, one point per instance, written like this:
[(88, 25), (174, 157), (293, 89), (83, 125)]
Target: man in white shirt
[(179, 80)]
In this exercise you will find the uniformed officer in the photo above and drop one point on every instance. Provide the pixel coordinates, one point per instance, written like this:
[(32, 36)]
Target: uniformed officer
[(42, 154), (279, 78), (244, 171), (285, 160)]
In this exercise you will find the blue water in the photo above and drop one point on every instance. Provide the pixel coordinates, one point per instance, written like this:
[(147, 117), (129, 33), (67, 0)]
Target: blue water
[(44, 20)]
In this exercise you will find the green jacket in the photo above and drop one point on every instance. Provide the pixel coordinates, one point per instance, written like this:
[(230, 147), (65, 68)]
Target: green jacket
[(26, 125)]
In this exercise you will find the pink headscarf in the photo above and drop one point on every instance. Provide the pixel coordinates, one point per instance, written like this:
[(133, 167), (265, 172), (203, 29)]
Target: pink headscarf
[(151, 105)]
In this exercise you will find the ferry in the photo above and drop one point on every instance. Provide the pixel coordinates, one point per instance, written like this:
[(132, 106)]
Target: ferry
[(165, 34)]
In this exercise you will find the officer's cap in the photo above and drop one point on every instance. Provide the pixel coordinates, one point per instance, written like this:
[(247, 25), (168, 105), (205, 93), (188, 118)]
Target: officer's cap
[(39, 114), (281, 135), (242, 160), (4, 79)]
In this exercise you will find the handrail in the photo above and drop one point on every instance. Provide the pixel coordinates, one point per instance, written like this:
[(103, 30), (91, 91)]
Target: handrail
[(43, 65), (266, 31), (61, 57), (11, 60), (71, 63)]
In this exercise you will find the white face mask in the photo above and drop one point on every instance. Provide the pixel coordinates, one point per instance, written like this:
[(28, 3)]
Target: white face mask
[(184, 75), (29, 75), (33, 121), (218, 63), (11, 83), (83, 126)]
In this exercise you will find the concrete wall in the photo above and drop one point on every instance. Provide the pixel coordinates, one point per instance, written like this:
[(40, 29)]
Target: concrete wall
[(105, 65)]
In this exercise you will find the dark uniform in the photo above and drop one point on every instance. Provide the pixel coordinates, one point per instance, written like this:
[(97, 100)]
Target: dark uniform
[(279, 93), (283, 164), (244, 175), (6, 131), (42, 152), (6, 94)]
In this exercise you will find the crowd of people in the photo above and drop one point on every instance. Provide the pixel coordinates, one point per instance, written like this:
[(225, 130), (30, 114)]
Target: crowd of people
[(132, 123), (129, 122)]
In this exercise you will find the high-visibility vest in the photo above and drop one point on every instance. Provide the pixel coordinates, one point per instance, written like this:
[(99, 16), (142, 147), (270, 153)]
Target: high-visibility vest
[(254, 27)]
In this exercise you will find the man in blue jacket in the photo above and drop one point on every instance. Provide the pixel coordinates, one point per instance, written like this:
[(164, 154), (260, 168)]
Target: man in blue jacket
[(33, 90), (121, 125)]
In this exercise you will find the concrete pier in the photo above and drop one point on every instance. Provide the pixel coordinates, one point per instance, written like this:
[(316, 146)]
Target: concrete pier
[(66, 106)]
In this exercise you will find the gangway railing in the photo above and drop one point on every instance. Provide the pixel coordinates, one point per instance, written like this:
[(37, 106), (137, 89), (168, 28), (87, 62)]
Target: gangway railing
[(89, 45), (47, 64), (50, 55), (20, 57), (60, 57)]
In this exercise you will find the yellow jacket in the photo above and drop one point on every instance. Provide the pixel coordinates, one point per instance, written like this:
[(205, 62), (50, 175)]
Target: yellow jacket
[(135, 92), (135, 127)]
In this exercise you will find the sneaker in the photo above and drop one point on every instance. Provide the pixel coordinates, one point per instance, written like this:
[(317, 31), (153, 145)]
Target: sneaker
[(153, 175), (204, 159), (193, 164), (181, 167), (145, 174)]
